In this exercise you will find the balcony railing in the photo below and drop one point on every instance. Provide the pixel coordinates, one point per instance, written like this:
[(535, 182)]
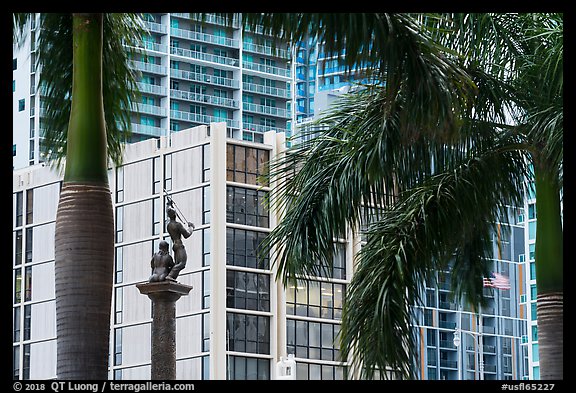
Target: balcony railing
[(204, 98), (147, 130), (149, 109), (266, 50), (202, 119), (204, 37), (229, 61), (265, 110), (151, 89), (261, 89), (149, 67), (284, 72), (155, 27), (199, 77)]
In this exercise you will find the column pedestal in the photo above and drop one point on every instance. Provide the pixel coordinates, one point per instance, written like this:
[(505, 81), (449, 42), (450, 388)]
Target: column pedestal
[(164, 295)]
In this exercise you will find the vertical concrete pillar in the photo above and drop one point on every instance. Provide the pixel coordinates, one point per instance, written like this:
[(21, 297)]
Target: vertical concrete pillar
[(164, 295)]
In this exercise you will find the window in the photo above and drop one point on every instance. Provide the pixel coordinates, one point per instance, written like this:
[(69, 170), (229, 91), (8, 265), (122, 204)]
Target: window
[(27, 322), (311, 371), (206, 247), (243, 249), (16, 325), (157, 213), (120, 184), (533, 271), (206, 209), (313, 340), (246, 164), (168, 172), (19, 208), (249, 291), (28, 284), (29, 243), (119, 265), (17, 285), (244, 368), (246, 206), (29, 206), (206, 163), (315, 299), (119, 299), (13, 150), (119, 224), (118, 347), (206, 289), (18, 248), (21, 105), (534, 333), (248, 333)]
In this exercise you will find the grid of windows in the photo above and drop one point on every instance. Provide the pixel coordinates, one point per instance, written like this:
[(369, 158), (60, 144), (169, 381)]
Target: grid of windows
[(248, 333), (312, 371), (246, 206), (246, 164), (242, 248), (315, 299), (244, 368), (245, 290), (313, 340), (338, 268)]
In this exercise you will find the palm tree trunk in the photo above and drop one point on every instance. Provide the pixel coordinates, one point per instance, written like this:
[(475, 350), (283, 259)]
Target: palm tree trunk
[(549, 274), (84, 238)]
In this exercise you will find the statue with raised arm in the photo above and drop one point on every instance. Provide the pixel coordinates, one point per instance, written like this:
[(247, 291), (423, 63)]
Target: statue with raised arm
[(177, 231), (161, 263)]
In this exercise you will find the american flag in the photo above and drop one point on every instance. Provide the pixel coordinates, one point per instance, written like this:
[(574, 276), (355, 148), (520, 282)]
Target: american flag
[(497, 281)]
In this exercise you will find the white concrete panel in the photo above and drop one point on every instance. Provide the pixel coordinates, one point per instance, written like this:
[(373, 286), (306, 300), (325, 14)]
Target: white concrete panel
[(46, 202), (137, 221), (136, 307), (43, 360), (136, 373), (43, 282), (188, 336), (43, 242), (187, 168), (189, 369), (136, 260), (43, 324), (193, 301), (136, 344), (137, 180)]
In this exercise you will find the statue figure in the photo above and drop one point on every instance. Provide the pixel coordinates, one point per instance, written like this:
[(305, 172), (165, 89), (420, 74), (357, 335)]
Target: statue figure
[(161, 263), (176, 231)]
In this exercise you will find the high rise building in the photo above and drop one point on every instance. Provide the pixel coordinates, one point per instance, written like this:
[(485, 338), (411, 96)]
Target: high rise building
[(237, 322), (192, 71)]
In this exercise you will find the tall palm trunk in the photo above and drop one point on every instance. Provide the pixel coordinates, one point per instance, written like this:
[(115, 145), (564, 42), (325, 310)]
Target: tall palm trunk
[(549, 274), (84, 237)]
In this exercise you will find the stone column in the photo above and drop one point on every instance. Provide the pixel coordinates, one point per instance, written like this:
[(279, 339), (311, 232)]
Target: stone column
[(164, 295)]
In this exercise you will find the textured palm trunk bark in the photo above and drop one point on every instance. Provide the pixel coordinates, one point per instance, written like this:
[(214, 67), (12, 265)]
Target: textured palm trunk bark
[(84, 255), (550, 311)]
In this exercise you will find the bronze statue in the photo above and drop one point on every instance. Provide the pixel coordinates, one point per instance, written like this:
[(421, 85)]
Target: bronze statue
[(161, 263), (176, 231)]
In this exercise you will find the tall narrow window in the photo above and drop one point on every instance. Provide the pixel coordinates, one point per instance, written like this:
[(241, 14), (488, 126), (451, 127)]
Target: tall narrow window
[(119, 224), (16, 325), (29, 206), (28, 284), (27, 321), (119, 265), (118, 347), (120, 184), (28, 245), (18, 248), (156, 216), (17, 286), (26, 362), (156, 175), (19, 208), (168, 172)]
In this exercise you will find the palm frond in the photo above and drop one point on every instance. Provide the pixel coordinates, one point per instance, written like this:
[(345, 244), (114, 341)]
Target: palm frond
[(430, 227), (120, 90)]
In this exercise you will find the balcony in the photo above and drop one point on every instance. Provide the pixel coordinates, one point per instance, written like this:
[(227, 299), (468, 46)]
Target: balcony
[(447, 325), (209, 18), (155, 27), (206, 38), (202, 119), (192, 54), (266, 50), (149, 67), (151, 89), (266, 90), (448, 363), (205, 78), (149, 109), (283, 72), (262, 129), (265, 110), (147, 130), (205, 98)]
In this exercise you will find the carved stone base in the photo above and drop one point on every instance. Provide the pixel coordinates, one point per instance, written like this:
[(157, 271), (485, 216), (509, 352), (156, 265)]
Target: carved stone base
[(164, 295)]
